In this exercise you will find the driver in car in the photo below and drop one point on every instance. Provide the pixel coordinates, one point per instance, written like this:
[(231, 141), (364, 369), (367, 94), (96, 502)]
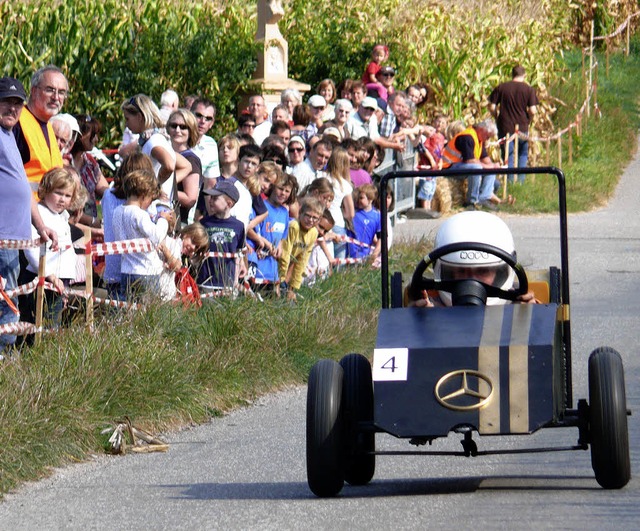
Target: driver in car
[(477, 227)]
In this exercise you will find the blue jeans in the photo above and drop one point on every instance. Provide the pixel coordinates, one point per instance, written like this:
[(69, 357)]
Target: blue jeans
[(339, 248), (523, 157), (480, 187), (9, 269)]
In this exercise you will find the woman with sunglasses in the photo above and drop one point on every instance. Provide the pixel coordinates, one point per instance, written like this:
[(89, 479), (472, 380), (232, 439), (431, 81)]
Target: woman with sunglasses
[(142, 117), (182, 127), (87, 166)]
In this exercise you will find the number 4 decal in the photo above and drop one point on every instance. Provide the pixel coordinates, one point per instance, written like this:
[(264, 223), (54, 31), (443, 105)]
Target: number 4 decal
[(390, 364)]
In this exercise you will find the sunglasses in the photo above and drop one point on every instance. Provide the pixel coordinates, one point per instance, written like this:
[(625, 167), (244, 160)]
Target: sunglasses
[(133, 103), (387, 75), (201, 116), (177, 127), (295, 150), (250, 126)]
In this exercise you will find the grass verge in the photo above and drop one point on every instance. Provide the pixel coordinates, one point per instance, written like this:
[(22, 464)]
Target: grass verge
[(165, 367)]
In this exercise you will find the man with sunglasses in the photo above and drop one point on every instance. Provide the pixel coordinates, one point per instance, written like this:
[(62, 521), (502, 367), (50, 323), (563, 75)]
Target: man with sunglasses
[(34, 135), (386, 76), (207, 148)]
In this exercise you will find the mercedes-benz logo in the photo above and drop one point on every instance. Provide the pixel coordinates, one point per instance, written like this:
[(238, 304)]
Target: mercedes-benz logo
[(461, 379)]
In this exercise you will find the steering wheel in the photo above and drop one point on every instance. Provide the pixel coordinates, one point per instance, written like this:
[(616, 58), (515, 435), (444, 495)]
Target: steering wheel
[(419, 283)]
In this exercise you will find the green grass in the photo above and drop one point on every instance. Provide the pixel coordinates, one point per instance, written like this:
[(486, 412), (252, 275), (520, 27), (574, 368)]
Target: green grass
[(606, 146), (166, 367)]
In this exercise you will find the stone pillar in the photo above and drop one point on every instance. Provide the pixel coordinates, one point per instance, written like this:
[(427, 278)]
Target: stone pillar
[(272, 74)]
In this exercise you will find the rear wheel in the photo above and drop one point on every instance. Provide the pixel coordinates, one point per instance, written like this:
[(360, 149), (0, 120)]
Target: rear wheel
[(357, 407), (608, 419), (325, 463)]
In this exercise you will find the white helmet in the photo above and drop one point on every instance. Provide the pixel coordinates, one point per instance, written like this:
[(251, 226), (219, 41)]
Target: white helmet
[(476, 227)]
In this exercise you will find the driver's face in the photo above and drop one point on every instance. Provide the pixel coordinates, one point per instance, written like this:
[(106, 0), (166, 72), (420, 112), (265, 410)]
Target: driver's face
[(485, 275)]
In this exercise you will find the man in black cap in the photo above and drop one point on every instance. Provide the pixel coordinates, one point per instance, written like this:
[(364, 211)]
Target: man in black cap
[(17, 205)]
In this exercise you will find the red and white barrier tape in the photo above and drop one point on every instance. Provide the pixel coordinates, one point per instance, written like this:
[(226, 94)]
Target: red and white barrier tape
[(216, 254), (340, 261), (348, 239), (18, 329), (19, 244), (140, 245)]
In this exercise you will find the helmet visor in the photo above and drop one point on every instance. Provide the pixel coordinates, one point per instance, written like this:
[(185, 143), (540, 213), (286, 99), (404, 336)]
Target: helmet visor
[(490, 274)]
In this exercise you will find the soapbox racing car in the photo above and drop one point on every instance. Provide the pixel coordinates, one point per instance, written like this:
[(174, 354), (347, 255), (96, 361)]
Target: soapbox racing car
[(495, 370)]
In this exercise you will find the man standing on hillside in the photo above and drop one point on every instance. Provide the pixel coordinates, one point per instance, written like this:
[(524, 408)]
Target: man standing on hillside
[(514, 103), (206, 149), (18, 208), (34, 135)]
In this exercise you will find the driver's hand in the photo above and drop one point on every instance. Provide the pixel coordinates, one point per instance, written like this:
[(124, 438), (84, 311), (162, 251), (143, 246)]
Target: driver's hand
[(423, 302), (528, 298)]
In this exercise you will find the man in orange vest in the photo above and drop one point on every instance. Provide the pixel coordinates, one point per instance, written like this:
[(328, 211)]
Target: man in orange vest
[(467, 150), (34, 135)]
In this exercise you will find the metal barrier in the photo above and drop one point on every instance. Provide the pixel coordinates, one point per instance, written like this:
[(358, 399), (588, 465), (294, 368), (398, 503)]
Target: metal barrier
[(404, 190)]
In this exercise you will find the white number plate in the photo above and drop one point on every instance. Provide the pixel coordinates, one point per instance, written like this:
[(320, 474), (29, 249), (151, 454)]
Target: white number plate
[(390, 364)]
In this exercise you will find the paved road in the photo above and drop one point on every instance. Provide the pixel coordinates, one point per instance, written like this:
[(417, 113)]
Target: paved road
[(246, 470)]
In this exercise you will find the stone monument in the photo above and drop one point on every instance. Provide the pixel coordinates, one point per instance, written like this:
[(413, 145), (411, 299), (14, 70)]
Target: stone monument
[(272, 74)]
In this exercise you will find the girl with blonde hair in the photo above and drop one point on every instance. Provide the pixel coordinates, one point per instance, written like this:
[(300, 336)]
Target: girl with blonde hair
[(342, 208)]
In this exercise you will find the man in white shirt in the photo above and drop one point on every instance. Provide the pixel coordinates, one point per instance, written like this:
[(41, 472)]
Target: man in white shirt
[(364, 122), (206, 149), (258, 110)]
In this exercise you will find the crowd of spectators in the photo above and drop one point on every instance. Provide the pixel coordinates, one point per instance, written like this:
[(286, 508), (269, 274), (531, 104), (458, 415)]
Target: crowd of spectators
[(284, 199)]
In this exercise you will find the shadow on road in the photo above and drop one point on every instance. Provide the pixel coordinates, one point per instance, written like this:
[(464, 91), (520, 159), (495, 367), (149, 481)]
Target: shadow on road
[(384, 487)]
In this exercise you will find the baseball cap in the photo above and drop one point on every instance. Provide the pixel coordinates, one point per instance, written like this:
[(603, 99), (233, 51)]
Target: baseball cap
[(70, 120), (224, 188), (10, 87), (370, 103), (317, 101), (332, 131)]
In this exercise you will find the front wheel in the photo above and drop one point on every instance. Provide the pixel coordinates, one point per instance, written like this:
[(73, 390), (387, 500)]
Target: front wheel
[(357, 406), (608, 419), (325, 462)]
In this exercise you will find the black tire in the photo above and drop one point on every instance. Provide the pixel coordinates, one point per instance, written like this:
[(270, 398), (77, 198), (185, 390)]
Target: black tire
[(357, 406), (608, 430), (325, 463), (396, 290)]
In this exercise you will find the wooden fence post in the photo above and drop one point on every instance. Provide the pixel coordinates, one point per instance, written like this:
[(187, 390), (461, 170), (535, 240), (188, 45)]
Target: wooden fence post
[(606, 70), (88, 286), (516, 147), (590, 82), (579, 125), (560, 151), (570, 143), (628, 37), (42, 266), (506, 162), (548, 155)]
